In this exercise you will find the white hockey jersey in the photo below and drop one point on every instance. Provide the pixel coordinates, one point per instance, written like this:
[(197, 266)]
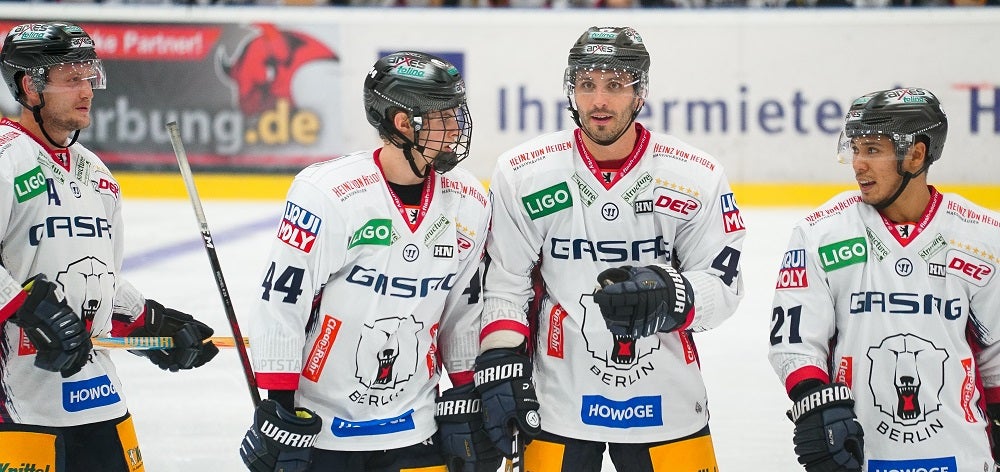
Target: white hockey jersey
[(907, 315), (554, 208), (363, 299), (60, 216)]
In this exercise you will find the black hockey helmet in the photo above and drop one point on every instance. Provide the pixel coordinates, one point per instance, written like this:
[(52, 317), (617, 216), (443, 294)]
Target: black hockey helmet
[(33, 48), (904, 115), (417, 83), (609, 48)]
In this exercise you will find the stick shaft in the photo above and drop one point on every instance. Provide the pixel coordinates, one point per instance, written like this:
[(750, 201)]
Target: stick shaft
[(145, 343), (213, 258)]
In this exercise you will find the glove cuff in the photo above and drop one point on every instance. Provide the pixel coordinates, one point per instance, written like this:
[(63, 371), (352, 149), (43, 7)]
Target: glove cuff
[(819, 398)]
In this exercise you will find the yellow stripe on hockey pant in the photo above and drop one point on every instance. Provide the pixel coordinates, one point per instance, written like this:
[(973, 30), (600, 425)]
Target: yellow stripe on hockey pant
[(691, 455), (540, 456), (130, 445), (435, 468), (24, 450)]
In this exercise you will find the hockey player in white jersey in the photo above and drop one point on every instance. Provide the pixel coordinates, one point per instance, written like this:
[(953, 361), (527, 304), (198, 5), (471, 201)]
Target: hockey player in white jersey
[(372, 286), (886, 314), (61, 403), (648, 216)]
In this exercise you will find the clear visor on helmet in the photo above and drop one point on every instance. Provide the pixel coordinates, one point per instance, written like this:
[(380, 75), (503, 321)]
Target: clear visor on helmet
[(73, 76), (872, 145), (598, 79)]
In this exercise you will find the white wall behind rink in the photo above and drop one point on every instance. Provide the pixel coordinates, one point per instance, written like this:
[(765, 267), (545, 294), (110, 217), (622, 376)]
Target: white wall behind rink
[(762, 90)]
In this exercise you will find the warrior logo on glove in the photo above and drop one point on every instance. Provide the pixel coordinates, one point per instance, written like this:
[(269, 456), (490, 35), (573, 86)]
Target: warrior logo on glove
[(640, 301)]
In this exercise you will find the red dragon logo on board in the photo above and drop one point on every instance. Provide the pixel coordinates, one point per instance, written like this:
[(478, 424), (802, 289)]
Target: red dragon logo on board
[(263, 66)]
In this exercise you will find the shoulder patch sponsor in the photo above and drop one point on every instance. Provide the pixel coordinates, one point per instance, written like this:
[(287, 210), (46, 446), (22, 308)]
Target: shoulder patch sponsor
[(30, 184), (834, 209), (299, 227), (793, 270), (969, 267), (548, 201), (376, 232), (843, 253), (731, 219)]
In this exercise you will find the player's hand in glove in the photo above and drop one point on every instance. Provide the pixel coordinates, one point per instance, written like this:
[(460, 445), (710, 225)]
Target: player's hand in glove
[(639, 301), (280, 440), (828, 437), (503, 378), (60, 336), (993, 412), (464, 442), (189, 334)]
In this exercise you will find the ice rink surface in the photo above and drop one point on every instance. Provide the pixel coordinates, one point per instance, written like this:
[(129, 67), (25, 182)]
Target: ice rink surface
[(194, 420)]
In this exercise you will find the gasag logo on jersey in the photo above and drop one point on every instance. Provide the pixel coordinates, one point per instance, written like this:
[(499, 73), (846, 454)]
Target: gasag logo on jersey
[(69, 227), (403, 287), (903, 303), (907, 377), (376, 232), (343, 428), (732, 221), (879, 249), (90, 393), (548, 201), (610, 250), (587, 193), (642, 183), (843, 253), (635, 412), (675, 204), (793, 270), (321, 348), (30, 184), (299, 227), (936, 464), (969, 268)]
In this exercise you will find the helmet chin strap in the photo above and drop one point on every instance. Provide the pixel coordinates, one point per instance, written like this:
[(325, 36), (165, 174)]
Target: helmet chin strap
[(907, 176), (607, 142), (36, 112), (401, 141)]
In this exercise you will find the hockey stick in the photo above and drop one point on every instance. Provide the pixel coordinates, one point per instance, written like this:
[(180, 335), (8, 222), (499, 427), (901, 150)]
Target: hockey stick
[(152, 343), (514, 463), (213, 258)]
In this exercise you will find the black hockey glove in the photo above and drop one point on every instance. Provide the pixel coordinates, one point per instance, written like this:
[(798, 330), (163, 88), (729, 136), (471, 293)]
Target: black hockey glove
[(639, 301), (828, 437), (993, 413), (60, 336), (464, 442), (503, 378), (280, 440), (189, 334)]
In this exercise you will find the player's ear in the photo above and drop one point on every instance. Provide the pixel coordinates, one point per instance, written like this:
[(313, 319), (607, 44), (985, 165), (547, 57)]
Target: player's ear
[(401, 121)]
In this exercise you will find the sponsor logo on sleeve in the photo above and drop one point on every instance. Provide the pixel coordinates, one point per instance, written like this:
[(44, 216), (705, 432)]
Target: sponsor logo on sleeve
[(90, 393), (732, 221), (548, 201), (632, 413), (793, 270), (968, 390), (343, 428), (937, 464), (676, 204), (556, 335), (969, 268), (376, 232), (845, 371), (321, 348), (299, 227), (843, 253), (30, 184)]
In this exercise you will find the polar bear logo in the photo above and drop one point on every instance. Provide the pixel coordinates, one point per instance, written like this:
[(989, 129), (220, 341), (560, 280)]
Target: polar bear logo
[(907, 377), (387, 352), (617, 352)]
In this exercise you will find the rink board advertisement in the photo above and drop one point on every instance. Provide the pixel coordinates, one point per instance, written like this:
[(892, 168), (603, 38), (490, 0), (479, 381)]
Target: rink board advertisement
[(764, 91)]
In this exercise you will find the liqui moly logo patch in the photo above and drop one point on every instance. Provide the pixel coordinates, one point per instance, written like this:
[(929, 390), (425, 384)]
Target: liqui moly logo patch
[(299, 227), (793, 270), (731, 219)]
